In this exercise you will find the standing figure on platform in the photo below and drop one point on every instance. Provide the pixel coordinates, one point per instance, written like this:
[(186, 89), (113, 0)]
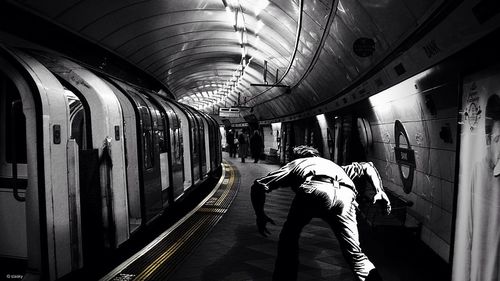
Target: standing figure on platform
[(243, 145), (323, 190), (230, 143), (256, 146)]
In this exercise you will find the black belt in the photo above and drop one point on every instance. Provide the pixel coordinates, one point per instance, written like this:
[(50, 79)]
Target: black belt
[(321, 178), (327, 179)]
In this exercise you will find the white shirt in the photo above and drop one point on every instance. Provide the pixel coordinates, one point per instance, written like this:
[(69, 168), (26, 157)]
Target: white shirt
[(295, 173)]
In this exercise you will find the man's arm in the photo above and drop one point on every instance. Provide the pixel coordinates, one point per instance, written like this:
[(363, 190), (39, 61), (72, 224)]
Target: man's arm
[(258, 197), (373, 176), (273, 180), (371, 172), (368, 170)]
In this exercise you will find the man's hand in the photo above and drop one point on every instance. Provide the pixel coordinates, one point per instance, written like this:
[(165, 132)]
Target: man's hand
[(262, 221), (382, 197)]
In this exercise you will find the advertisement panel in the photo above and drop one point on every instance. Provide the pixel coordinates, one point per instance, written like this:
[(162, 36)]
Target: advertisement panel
[(477, 233)]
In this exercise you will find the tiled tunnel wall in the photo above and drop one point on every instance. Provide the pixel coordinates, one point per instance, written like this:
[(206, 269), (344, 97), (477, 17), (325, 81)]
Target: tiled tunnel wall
[(428, 112), (427, 106)]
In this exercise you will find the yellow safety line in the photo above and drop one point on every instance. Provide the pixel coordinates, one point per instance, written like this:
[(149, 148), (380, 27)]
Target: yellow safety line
[(160, 238), (212, 210), (172, 250), (228, 187), (167, 254)]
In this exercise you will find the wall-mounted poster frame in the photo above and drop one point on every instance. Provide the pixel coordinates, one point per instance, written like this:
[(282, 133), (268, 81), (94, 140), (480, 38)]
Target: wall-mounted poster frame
[(477, 226)]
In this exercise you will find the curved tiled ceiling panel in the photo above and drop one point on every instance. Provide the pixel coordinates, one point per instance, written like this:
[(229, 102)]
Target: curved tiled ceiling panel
[(208, 53)]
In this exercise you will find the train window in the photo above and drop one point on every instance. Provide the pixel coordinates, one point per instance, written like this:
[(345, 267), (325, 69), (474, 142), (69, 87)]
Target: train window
[(14, 120)]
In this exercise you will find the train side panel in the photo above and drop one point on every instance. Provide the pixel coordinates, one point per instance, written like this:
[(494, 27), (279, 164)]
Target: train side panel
[(107, 137), (59, 253)]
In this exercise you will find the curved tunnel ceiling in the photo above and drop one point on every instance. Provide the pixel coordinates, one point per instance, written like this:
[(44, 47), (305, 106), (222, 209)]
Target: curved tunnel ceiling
[(208, 53)]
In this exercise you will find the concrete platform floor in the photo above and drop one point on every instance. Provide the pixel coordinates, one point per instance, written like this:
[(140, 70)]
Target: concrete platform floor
[(234, 250)]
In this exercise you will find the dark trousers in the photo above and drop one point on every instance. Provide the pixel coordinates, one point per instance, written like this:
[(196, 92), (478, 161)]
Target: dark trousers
[(336, 206), (255, 156), (232, 150)]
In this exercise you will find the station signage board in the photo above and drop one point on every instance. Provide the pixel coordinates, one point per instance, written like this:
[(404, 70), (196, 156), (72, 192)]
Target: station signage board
[(229, 112)]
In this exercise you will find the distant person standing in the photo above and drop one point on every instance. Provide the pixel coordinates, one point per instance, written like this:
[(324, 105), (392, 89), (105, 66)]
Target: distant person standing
[(243, 145), (230, 143), (256, 146)]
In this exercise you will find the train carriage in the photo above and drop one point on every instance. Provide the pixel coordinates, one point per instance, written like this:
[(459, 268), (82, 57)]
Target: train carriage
[(41, 193), (89, 160)]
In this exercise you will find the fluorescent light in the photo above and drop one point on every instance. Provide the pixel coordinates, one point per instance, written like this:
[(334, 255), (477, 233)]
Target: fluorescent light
[(260, 25), (240, 21), (259, 5)]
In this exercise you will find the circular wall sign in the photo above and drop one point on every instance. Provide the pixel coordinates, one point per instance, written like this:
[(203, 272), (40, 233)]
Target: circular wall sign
[(405, 156)]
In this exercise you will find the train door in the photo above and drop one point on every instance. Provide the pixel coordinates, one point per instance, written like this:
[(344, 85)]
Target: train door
[(177, 153), (211, 141), (131, 158), (102, 163), (208, 139), (160, 125), (219, 145), (185, 141), (201, 143), (204, 148), (148, 148), (39, 214), (13, 171), (195, 147), (197, 154), (174, 141)]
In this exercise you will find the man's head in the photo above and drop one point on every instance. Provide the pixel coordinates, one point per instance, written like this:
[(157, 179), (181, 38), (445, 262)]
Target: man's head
[(492, 131), (303, 151)]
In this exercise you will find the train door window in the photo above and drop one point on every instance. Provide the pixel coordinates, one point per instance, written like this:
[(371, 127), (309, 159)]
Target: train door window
[(147, 131), (79, 110), (201, 139), (177, 138), (147, 139), (162, 136), (77, 119), (160, 126), (194, 133), (153, 133), (14, 131), (176, 144)]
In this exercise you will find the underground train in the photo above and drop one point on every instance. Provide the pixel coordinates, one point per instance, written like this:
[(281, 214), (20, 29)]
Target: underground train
[(88, 160)]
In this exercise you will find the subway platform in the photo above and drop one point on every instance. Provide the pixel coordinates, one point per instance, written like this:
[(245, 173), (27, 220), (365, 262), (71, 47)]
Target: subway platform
[(227, 246)]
